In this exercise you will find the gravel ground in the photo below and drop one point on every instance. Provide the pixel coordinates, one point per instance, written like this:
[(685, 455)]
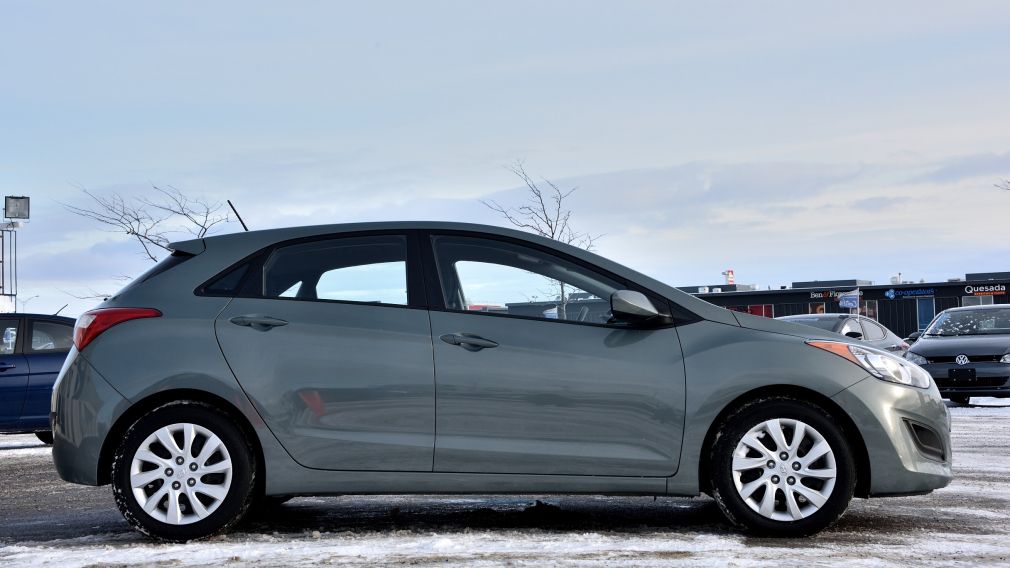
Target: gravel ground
[(46, 522)]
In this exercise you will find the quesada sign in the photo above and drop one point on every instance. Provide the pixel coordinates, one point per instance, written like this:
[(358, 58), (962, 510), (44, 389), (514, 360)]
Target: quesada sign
[(986, 290)]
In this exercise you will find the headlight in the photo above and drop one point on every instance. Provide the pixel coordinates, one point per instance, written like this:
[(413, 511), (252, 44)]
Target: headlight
[(1005, 359), (878, 363), (915, 358)]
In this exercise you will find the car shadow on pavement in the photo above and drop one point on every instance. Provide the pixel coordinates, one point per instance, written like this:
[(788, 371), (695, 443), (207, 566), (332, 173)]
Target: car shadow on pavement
[(491, 513)]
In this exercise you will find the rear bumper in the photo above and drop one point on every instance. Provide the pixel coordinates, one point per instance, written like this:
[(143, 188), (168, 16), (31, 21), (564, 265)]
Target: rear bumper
[(84, 409), (894, 421)]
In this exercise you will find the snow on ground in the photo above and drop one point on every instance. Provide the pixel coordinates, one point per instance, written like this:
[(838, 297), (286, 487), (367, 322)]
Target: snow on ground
[(967, 522)]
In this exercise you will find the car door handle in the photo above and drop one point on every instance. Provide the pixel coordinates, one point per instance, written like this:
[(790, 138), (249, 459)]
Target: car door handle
[(259, 323), (468, 341), (5, 366)]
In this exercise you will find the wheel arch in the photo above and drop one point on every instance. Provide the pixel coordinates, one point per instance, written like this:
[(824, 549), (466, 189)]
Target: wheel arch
[(849, 429), (145, 405)]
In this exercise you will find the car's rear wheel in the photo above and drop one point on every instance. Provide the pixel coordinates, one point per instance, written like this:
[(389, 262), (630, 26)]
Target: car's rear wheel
[(960, 399), (45, 437), (184, 471), (782, 467)]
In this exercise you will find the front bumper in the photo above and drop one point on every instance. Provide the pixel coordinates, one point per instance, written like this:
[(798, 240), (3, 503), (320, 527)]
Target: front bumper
[(991, 379), (891, 419)]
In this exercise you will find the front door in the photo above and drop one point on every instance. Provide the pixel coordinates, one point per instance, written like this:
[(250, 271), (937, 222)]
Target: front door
[(13, 374), (334, 355), (532, 378)]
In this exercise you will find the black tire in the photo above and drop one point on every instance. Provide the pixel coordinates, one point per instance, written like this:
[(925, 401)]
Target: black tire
[(732, 431), (961, 399), (232, 508), (45, 437)]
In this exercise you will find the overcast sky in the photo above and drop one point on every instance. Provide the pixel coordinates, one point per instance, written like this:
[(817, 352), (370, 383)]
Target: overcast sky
[(790, 142)]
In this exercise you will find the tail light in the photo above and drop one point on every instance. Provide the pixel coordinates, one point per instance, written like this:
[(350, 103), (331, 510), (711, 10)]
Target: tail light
[(91, 324)]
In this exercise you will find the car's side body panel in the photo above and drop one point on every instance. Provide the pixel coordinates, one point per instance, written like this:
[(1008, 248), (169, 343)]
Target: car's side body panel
[(557, 398), (343, 386), (13, 389), (725, 363)]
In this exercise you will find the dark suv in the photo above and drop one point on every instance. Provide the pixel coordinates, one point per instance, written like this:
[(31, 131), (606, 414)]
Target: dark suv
[(32, 350), (967, 351)]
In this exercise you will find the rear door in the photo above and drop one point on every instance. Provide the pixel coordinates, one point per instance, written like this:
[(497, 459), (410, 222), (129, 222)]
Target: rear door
[(532, 378), (46, 345), (13, 374), (331, 340)]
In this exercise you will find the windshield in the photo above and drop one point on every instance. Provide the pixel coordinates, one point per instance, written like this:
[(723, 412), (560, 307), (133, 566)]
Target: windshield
[(971, 322)]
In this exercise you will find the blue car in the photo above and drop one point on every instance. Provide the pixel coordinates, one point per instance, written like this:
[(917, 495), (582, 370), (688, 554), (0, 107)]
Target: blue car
[(32, 350)]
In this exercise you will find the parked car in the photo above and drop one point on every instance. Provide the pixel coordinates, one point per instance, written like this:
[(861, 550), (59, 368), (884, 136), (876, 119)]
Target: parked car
[(868, 331), (344, 359), (967, 351), (32, 350)]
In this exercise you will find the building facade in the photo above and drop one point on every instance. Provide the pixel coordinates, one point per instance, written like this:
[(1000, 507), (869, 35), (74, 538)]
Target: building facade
[(903, 308)]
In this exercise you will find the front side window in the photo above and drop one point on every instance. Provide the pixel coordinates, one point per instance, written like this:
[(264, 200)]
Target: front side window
[(493, 276), (351, 269), (47, 336)]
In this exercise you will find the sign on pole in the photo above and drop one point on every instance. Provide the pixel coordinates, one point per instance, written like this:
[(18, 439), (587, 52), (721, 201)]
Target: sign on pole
[(849, 300)]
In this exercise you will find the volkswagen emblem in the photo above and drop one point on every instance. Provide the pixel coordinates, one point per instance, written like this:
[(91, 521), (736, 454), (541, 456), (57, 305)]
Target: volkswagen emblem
[(961, 359)]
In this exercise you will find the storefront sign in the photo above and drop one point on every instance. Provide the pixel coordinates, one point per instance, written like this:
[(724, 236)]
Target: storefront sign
[(892, 293), (986, 290), (832, 294)]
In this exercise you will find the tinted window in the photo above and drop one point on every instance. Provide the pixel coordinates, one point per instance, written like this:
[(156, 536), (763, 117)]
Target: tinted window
[(850, 325), (8, 336), (352, 269), (49, 336), (229, 282), (498, 277), (828, 324), (872, 330)]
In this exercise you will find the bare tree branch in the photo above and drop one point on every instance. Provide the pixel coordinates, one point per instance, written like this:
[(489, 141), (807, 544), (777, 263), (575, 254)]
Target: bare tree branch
[(1003, 184), (545, 213), (152, 223)]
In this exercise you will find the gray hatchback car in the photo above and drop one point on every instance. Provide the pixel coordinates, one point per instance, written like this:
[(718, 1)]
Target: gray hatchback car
[(452, 358)]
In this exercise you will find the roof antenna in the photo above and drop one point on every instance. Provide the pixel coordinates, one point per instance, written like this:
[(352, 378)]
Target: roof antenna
[(60, 310), (237, 215)]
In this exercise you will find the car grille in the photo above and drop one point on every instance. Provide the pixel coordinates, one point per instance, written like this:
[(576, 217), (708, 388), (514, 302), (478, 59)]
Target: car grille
[(981, 382), (972, 358)]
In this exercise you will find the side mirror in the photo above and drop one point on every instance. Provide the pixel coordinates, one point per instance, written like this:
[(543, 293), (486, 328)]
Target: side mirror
[(854, 335), (915, 335), (632, 307)]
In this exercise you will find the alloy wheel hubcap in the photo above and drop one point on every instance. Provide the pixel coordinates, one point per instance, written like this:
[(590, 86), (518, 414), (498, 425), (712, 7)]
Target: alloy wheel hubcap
[(784, 469), (181, 474)]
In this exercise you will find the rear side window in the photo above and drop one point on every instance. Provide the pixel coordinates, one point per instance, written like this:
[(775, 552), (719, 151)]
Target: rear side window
[(871, 330), (351, 269), (49, 337)]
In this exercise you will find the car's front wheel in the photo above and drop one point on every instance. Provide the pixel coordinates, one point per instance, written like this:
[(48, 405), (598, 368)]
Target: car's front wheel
[(960, 399), (184, 471), (45, 437), (782, 467)]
